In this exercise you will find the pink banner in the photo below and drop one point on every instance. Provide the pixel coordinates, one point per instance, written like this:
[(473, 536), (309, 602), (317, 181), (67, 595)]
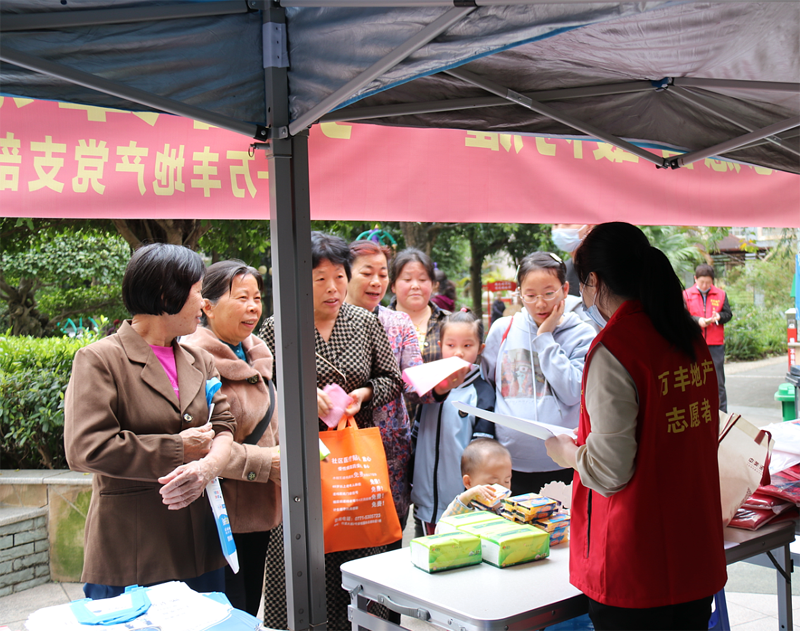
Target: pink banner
[(449, 175), (59, 159)]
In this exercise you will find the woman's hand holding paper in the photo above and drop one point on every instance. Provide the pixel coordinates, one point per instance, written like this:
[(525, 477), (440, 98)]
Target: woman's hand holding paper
[(562, 449), (359, 396)]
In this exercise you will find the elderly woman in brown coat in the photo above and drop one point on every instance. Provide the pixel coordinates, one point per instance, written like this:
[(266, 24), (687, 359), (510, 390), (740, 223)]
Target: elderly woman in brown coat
[(136, 415), (232, 309)]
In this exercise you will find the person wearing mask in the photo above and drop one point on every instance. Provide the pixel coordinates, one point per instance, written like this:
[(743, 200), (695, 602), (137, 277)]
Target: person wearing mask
[(648, 434), (567, 237), (709, 306)]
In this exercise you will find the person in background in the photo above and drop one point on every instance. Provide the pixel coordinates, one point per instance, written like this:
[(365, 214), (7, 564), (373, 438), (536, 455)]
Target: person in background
[(367, 287), (567, 237), (251, 485), (484, 462), (445, 296), (646, 436), (443, 431), (352, 351), (534, 360), (411, 279), (136, 416), (498, 308), (709, 307)]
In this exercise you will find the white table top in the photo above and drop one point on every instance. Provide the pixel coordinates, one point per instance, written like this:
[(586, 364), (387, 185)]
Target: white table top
[(485, 597)]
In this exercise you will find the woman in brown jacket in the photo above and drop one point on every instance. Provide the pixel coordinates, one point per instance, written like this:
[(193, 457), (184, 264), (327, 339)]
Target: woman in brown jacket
[(135, 415), (232, 308)]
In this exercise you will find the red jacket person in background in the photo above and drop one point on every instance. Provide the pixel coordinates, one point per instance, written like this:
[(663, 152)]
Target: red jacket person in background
[(709, 307)]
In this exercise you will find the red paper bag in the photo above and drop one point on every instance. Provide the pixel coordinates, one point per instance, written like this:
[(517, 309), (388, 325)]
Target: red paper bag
[(357, 506)]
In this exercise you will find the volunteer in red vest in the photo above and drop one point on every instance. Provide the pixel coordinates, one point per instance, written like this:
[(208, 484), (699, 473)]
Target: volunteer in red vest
[(647, 438), (709, 306)]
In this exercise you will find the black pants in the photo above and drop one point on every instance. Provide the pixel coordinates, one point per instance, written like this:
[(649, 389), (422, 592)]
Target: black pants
[(212, 581), (693, 615), (245, 588), (524, 482), (718, 357)]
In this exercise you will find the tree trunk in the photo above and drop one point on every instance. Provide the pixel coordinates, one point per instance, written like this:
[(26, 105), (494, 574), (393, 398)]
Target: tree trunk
[(422, 235), (22, 312), (176, 231), (476, 286)]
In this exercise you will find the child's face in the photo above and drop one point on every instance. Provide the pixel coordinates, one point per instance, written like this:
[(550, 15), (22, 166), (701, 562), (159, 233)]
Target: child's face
[(540, 283), (461, 340), (496, 469)]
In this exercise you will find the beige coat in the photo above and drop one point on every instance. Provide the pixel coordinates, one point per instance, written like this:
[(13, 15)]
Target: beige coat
[(121, 422), (252, 484)]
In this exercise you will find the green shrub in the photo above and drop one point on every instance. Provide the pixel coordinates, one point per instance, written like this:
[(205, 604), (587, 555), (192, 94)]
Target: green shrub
[(755, 332), (34, 373)]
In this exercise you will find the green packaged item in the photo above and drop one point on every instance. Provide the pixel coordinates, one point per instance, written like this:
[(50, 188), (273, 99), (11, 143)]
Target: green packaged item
[(519, 544), (480, 529), (454, 522), (449, 551)]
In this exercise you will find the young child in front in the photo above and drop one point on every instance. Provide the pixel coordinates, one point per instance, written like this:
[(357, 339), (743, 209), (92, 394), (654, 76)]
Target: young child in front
[(442, 431), (484, 462)]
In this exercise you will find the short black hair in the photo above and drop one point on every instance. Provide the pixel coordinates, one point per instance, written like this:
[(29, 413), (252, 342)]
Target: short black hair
[(411, 255), (542, 260), (158, 278), (475, 454), (704, 270), (218, 280), (329, 247)]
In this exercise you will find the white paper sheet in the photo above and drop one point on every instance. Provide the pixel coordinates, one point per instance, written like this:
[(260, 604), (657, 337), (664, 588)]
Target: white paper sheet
[(532, 428), (426, 377)]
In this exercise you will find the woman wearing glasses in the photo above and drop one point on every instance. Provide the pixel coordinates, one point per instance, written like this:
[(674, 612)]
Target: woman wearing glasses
[(535, 359)]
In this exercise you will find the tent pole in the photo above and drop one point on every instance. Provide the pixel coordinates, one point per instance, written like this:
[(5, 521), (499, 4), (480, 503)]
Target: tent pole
[(700, 102), (535, 106), (91, 17), (430, 107), (129, 93), (290, 228), (734, 143), (435, 28), (733, 84)]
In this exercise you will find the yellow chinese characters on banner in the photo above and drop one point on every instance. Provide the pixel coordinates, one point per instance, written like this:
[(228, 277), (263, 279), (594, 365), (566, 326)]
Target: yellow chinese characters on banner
[(109, 156)]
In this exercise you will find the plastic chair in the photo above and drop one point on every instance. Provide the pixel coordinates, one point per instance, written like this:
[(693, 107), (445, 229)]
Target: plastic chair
[(719, 617)]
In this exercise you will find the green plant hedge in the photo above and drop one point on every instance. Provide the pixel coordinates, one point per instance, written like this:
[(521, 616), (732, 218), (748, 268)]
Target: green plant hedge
[(755, 332), (34, 373)]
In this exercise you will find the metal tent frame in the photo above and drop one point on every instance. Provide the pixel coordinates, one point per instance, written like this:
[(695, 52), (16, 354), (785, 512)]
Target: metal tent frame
[(285, 142)]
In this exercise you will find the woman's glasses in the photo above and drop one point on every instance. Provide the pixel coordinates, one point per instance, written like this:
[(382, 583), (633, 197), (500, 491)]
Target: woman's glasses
[(549, 296)]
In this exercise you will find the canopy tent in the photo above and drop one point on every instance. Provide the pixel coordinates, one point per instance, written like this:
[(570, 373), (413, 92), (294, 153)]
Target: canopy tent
[(701, 79)]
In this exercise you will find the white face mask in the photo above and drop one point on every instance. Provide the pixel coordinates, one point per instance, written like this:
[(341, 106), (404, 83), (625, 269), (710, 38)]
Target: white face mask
[(593, 312), (566, 239)]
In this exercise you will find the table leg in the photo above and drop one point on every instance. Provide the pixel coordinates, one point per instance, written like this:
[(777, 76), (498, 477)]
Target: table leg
[(783, 563)]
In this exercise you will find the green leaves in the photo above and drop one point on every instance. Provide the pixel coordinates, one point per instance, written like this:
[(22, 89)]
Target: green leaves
[(34, 373)]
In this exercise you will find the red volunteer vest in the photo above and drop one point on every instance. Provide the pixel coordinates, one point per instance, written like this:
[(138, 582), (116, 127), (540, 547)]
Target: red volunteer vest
[(659, 540), (714, 334)]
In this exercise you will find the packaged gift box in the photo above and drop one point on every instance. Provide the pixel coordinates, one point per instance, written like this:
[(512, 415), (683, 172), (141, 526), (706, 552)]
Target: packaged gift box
[(437, 553)]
